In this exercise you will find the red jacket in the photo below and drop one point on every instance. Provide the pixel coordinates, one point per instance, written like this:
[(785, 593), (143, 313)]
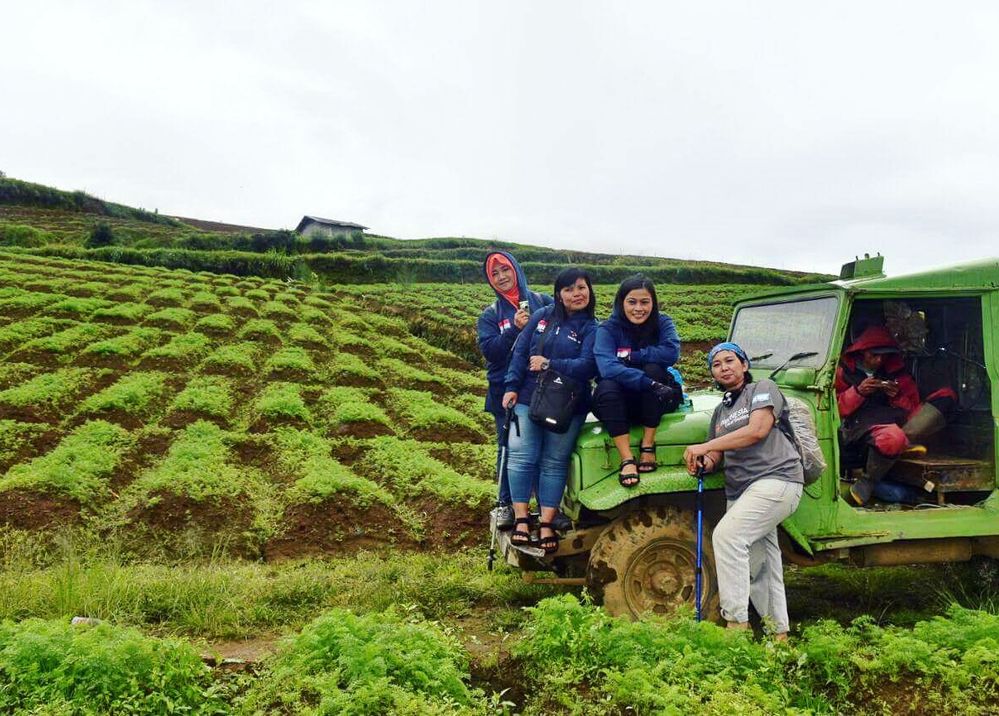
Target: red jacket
[(849, 375)]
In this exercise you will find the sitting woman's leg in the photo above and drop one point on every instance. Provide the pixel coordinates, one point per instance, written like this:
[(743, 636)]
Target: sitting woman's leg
[(651, 412), (554, 470), (610, 405), (524, 447)]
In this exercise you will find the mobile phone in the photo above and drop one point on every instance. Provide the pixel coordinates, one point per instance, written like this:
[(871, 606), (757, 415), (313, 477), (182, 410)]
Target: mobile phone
[(525, 306)]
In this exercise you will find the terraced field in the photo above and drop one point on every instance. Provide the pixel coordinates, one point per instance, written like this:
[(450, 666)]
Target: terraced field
[(275, 418)]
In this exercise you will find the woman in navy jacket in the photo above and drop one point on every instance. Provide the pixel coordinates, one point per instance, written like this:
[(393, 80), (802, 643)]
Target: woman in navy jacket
[(539, 458), (634, 350), (498, 327)]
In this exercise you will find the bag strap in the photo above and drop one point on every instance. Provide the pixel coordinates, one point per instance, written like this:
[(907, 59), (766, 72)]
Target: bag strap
[(544, 332)]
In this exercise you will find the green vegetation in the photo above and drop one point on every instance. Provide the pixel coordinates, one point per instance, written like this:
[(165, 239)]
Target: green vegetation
[(348, 369), (412, 472), (282, 401), (136, 393), (68, 339), (22, 331), (77, 306), (198, 466), (342, 406), (423, 412), (186, 346), (128, 312), (57, 668), (130, 344), (172, 317), (48, 390), (209, 395), (379, 663), (307, 455), (166, 297), (260, 329), (235, 357), (304, 333), (79, 467), (216, 323), (205, 300), (278, 309), (290, 360)]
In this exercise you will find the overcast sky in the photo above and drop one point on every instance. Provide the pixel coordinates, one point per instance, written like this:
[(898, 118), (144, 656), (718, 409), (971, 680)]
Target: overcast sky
[(791, 134)]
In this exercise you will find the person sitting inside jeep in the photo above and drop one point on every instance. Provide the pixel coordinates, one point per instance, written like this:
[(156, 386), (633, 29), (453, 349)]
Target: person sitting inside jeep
[(880, 408)]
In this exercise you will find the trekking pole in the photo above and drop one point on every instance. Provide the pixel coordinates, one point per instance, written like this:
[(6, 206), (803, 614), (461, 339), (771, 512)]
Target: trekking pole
[(504, 439), (700, 530)]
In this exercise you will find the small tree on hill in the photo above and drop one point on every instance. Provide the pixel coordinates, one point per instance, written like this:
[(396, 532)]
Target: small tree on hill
[(101, 235)]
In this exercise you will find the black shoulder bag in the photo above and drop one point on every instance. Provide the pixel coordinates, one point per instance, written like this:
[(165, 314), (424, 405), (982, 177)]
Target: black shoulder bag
[(554, 402)]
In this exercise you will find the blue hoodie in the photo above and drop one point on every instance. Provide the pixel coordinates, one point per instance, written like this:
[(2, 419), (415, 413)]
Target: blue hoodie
[(568, 346), (616, 356), (497, 332)]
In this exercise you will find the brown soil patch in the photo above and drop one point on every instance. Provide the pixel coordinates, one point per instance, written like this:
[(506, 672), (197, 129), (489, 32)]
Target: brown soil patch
[(115, 320), (357, 350), (178, 512), (266, 425), (96, 360), (31, 510), (449, 433), (30, 414), (348, 453), (354, 381), (244, 311), (31, 448), (129, 421), (43, 359), (688, 347), (226, 370), (266, 339), (336, 527), (257, 451), (449, 527), (182, 418), (292, 375), (168, 365), (146, 452), (361, 429)]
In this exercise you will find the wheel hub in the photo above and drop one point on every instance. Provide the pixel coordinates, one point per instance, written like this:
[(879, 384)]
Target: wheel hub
[(660, 577)]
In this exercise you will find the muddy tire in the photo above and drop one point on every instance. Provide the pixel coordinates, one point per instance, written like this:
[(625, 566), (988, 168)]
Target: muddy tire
[(645, 563)]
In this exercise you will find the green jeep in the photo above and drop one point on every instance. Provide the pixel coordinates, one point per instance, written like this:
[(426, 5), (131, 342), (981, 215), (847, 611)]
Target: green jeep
[(635, 548)]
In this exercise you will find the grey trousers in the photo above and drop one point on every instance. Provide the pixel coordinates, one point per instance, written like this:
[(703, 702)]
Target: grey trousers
[(747, 554)]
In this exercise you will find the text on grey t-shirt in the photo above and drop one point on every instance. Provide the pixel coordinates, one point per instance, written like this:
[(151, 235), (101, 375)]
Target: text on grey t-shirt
[(773, 457)]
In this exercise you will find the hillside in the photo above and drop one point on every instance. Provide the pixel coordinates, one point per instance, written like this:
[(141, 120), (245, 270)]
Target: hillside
[(47, 221)]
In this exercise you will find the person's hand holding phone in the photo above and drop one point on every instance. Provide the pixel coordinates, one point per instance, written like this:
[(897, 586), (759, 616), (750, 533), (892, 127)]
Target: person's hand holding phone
[(890, 387), (523, 315)]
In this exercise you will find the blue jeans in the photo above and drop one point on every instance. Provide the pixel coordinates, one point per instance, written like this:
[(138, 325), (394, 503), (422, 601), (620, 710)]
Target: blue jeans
[(504, 481), (538, 461)]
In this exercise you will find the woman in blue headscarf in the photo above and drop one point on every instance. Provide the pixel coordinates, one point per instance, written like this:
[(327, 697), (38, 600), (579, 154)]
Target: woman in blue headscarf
[(763, 484)]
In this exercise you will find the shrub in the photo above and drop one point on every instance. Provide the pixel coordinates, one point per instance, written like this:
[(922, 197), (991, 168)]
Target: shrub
[(101, 235), (69, 339), (378, 663), (205, 299), (166, 297), (347, 368), (343, 405), (26, 236), (78, 467), (54, 667), (78, 306), (424, 412)]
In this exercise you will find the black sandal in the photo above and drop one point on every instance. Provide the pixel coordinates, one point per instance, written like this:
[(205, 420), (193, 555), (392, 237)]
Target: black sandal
[(521, 538), (550, 543), (628, 480), (647, 466)]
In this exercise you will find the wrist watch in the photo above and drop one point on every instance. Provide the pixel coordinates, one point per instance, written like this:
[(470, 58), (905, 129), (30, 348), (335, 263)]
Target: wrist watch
[(545, 363)]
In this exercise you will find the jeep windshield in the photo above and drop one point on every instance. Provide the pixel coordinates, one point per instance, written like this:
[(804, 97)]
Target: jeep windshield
[(772, 333)]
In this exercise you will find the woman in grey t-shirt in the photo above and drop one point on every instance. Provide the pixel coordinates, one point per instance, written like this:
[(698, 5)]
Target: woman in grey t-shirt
[(763, 483)]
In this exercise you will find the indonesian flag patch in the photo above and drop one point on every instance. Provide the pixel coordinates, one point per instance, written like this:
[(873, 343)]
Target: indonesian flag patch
[(623, 352), (504, 325), (542, 324)]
